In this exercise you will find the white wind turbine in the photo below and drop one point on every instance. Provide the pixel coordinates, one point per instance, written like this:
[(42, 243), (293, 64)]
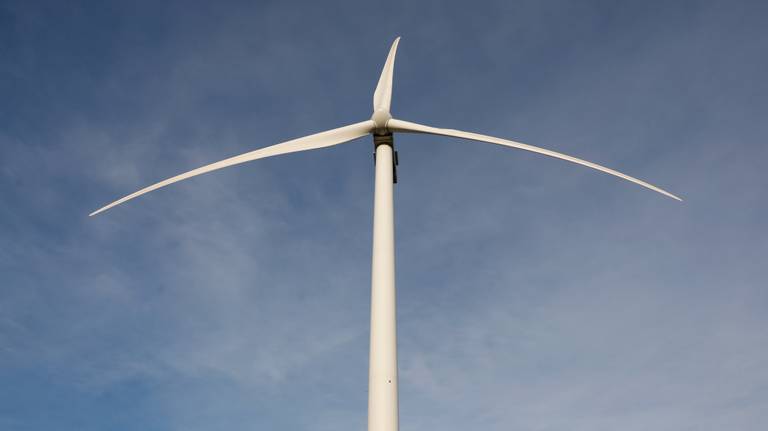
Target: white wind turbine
[(382, 374)]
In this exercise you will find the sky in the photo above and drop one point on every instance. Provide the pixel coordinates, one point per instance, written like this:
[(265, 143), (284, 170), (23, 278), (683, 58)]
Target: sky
[(533, 294)]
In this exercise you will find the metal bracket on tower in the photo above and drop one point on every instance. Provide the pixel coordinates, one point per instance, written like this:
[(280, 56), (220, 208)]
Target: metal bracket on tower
[(386, 140)]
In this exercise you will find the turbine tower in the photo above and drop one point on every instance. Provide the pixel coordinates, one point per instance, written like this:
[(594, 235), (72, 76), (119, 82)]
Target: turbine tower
[(382, 373)]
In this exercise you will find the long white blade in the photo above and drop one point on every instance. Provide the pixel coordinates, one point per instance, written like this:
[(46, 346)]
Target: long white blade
[(311, 142), (404, 126), (382, 97)]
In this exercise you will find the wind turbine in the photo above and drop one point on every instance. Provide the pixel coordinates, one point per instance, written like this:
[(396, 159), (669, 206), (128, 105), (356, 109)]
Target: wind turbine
[(382, 373)]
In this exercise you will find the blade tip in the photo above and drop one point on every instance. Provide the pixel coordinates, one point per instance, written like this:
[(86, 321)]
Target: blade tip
[(675, 197), (98, 211)]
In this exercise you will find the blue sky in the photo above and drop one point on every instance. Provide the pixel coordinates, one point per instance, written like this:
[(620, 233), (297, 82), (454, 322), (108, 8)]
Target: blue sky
[(532, 294)]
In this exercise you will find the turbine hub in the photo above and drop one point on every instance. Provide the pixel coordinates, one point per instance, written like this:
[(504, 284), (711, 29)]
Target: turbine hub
[(380, 117)]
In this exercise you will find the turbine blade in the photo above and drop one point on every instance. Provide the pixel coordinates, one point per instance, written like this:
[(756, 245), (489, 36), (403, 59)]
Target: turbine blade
[(382, 97), (311, 142), (404, 126)]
